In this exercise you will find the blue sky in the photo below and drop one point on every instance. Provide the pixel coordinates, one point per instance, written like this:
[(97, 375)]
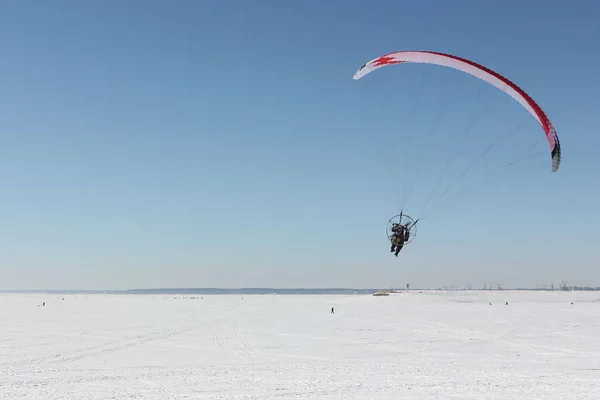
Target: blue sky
[(224, 143)]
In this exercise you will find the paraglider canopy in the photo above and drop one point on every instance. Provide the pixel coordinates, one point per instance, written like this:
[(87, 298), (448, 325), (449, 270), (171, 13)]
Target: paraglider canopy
[(478, 71)]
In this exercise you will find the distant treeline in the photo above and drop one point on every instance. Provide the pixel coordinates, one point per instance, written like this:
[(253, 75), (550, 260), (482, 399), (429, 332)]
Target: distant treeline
[(251, 291), (564, 289)]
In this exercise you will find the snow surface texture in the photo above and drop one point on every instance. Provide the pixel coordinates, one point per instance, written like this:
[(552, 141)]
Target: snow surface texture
[(429, 345)]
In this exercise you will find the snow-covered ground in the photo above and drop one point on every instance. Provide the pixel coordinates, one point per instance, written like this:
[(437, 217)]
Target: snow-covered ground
[(429, 345)]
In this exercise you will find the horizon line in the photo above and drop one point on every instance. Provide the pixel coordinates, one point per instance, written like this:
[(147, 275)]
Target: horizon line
[(263, 289)]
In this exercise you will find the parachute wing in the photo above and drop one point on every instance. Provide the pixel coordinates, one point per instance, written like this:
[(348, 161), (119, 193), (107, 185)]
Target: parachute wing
[(478, 71)]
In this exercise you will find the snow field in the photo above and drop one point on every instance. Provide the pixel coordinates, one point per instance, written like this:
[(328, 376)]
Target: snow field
[(428, 345)]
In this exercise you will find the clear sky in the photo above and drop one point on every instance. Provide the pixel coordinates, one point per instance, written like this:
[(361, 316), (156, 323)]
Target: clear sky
[(225, 144)]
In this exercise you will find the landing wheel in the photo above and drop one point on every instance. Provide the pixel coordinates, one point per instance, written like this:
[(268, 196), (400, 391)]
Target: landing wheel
[(404, 220)]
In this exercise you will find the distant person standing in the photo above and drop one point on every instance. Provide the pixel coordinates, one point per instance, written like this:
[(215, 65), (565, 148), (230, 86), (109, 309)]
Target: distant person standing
[(332, 311)]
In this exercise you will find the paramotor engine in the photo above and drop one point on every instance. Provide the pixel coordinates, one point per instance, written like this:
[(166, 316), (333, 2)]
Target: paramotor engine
[(404, 220)]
